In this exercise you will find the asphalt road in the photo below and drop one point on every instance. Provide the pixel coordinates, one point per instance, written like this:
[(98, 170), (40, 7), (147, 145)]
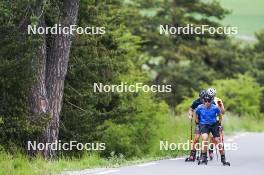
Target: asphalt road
[(247, 159)]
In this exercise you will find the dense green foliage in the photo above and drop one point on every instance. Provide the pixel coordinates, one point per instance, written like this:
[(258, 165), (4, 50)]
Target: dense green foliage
[(16, 52), (119, 120), (240, 95), (246, 91), (173, 59)]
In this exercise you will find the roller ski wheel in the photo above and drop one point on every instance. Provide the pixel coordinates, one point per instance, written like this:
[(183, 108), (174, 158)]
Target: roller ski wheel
[(211, 154), (203, 159), (226, 163), (202, 162), (188, 159), (192, 157), (211, 157)]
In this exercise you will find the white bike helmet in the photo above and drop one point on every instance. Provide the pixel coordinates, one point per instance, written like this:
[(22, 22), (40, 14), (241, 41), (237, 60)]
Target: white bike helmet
[(211, 92)]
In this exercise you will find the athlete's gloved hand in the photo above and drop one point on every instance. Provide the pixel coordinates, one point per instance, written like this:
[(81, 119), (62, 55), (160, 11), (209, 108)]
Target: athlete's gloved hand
[(220, 103), (220, 127)]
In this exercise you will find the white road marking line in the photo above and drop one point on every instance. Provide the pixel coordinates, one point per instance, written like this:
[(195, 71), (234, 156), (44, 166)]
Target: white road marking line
[(230, 140), (244, 134), (237, 136), (146, 164), (108, 171), (241, 135), (179, 158)]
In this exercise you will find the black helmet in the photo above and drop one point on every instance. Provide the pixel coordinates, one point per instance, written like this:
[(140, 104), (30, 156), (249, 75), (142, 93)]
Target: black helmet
[(202, 93)]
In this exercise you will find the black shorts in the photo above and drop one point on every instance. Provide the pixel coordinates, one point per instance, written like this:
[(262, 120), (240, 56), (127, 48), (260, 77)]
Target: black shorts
[(196, 129), (214, 129)]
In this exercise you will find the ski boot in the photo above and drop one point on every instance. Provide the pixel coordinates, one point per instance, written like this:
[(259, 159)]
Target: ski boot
[(192, 157), (211, 153), (203, 159), (224, 162), (199, 155)]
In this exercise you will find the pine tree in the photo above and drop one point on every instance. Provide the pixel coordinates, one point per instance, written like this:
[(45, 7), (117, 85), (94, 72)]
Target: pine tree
[(178, 59)]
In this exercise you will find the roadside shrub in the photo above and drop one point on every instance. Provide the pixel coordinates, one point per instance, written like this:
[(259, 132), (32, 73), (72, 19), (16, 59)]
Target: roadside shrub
[(241, 95), (135, 137)]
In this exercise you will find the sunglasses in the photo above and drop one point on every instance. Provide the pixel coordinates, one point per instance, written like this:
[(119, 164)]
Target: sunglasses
[(207, 101)]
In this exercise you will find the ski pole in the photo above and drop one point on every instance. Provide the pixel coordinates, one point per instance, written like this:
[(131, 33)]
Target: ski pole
[(222, 140), (198, 150), (216, 153), (191, 128), (221, 136)]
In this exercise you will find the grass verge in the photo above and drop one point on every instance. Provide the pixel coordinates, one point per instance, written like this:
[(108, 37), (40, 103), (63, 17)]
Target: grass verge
[(174, 130)]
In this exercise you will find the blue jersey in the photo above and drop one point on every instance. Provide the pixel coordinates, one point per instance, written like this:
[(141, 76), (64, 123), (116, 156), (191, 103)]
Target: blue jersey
[(207, 116)]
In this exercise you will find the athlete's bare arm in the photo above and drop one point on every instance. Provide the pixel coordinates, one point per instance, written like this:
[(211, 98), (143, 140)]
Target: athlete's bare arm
[(190, 112), (221, 106), (196, 118)]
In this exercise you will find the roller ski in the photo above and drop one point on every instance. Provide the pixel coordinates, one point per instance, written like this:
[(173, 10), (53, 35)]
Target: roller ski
[(199, 154), (223, 159), (198, 158), (224, 162), (192, 157), (203, 159)]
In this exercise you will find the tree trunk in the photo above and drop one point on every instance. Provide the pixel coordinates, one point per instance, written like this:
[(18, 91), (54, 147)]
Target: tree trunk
[(46, 95), (38, 103), (57, 63), (37, 100)]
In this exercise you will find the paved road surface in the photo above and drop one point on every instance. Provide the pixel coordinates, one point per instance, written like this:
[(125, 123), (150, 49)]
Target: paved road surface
[(247, 160)]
